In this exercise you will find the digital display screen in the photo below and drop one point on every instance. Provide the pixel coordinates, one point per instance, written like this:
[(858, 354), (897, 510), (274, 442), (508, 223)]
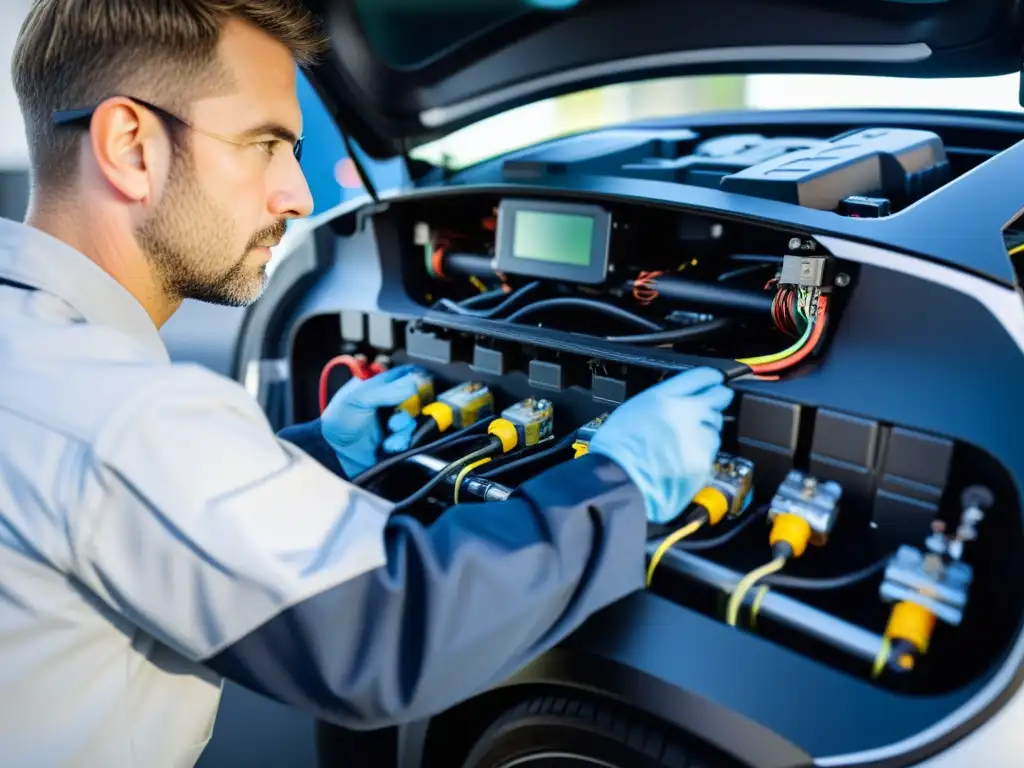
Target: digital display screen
[(561, 238)]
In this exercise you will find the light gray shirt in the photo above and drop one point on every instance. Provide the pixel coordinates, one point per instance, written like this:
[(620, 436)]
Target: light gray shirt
[(156, 535), (149, 517)]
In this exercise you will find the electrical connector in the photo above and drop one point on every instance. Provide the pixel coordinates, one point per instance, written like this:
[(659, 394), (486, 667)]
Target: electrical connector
[(733, 478), (804, 511), (727, 494), (423, 397), (584, 435), (461, 406), (532, 418), (803, 270), (923, 588)]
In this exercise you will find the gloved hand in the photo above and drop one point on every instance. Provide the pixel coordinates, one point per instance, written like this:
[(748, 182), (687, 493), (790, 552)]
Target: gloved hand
[(350, 425), (666, 439)]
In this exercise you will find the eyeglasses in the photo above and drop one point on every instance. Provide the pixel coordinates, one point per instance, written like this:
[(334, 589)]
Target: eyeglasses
[(81, 117)]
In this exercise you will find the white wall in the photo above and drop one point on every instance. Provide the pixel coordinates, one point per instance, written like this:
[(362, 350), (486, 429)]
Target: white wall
[(13, 153)]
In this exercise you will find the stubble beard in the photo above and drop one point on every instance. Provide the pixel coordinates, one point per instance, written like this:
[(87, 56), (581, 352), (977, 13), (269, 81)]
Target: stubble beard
[(189, 239)]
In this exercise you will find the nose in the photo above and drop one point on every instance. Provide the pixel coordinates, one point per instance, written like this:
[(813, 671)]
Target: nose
[(292, 199)]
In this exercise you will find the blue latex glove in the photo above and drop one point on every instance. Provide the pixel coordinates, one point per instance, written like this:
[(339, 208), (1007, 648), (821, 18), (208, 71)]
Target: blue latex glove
[(350, 425), (666, 439)]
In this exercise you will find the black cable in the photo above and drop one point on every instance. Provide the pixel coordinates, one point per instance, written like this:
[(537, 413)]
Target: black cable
[(490, 449), (510, 300), (456, 438), (739, 271), (424, 432), (835, 582), (578, 303), (529, 458), (725, 538), (676, 335), (483, 298)]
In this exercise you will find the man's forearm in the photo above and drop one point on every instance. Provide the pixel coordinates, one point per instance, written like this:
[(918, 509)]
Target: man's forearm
[(459, 605)]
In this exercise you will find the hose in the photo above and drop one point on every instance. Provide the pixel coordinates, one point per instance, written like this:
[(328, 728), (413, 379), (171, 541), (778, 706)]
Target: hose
[(493, 446), (835, 582), (725, 538), (423, 433), (710, 295), (482, 298), (677, 335), (591, 304), (558, 447), (456, 438), (512, 299)]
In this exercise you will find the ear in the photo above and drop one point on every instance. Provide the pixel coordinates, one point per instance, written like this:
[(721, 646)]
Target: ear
[(130, 147)]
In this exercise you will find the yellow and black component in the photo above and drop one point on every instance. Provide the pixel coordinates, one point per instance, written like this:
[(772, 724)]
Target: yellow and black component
[(803, 512), (505, 431), (816, 502), (907, 636), (791, 529), (733, 477), (465, 471), (924, 588), (533, 419), (913, 623), (713, 502), (424, 395), (461, 406), (581, 446), (728, 494)]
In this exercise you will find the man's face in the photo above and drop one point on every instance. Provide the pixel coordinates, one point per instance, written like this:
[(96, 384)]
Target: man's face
[(226, 200)]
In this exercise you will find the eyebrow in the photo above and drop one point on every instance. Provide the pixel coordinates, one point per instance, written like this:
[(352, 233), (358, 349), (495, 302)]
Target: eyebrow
[(276, 130)]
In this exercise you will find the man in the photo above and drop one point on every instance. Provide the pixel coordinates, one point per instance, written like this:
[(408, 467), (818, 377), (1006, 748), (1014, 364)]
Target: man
[(155, 535)]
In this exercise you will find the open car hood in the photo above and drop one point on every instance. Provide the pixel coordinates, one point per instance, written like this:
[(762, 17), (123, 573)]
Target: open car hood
[(400, 73)]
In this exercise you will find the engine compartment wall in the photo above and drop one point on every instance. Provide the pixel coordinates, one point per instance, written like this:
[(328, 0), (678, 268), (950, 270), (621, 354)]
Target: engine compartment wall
[(920, 345), (909, 351)]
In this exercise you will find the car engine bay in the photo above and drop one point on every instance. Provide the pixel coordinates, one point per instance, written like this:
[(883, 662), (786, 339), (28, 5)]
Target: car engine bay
[(860, 540)]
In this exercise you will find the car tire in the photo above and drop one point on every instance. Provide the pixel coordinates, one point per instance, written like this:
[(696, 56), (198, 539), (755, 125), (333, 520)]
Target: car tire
[(567, 732)]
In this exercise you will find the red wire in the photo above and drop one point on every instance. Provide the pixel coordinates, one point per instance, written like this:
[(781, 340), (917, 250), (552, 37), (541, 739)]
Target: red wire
[(789, 311), (804, 351), (356, 366), (643, 287)]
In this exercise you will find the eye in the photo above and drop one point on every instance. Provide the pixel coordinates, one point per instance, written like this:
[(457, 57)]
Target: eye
[(269, 146)]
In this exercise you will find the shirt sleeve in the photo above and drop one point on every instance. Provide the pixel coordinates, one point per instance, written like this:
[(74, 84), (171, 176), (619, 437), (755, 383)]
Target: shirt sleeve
[(310, 438), (243, 553)]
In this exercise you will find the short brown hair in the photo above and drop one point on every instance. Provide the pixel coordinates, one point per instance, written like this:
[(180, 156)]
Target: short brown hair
[(76, 53)]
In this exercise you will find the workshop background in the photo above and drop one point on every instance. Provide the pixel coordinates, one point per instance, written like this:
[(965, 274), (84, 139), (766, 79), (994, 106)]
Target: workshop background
[(253, 731)]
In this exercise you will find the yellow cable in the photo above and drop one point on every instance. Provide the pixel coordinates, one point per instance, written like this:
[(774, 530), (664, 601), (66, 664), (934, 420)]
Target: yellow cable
[(755, 607), (740, 592), (1016, 249), (776, 356), (667, 543), (465, 471), (882, 657)]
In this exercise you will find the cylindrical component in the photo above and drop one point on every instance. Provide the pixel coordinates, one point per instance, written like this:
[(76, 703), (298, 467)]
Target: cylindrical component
[(709, 295), (714, 503), (836, 632), (480, 487), (793, 530), (913, 623), (468, 264)]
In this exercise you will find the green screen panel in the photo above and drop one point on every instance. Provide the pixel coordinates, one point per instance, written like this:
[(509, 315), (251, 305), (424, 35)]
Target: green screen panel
[(562, 238)]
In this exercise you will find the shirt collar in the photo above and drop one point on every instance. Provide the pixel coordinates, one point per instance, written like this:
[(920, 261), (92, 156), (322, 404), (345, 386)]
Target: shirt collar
[(38, 260)]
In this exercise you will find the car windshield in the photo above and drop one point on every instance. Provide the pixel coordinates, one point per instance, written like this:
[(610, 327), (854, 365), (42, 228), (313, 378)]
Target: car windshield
[(683, 96)]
